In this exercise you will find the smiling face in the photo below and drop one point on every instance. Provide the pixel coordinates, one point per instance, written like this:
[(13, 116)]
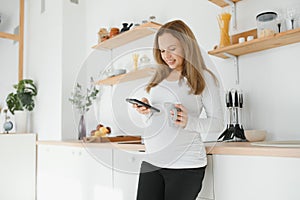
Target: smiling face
[(171, 51)]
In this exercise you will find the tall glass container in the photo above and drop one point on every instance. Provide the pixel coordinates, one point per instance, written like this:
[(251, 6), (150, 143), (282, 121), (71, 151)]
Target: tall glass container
[(266, 24), (224, 21)]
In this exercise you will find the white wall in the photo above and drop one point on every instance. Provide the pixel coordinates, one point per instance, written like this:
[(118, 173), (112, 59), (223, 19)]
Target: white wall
[(43, 64), (9, 50), (55, 52), (267, 78), (73, 54)]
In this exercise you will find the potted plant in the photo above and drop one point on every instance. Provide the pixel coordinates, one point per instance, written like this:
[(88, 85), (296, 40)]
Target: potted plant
[(82, 100), (20, 101)]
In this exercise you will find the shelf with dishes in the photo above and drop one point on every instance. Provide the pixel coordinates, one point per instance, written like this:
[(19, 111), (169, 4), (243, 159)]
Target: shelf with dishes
[(138, 32), (258, 44), (130, 76), (223, 3)]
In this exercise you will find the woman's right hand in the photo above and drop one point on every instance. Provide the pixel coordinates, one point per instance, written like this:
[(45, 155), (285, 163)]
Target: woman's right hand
[(142, 109)]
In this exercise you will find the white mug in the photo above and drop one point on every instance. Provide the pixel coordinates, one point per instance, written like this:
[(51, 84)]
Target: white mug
[(171, 107), (241, 39), (250, 37)]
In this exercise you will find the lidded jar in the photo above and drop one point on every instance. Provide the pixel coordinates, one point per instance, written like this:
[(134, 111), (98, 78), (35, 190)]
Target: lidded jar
[(266, 24)]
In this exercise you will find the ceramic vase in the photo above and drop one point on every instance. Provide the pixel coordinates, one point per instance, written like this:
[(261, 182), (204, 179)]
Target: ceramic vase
[(81, 128), (21, 121)]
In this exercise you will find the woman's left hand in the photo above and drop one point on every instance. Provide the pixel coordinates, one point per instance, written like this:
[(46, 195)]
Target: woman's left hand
[(182, 116)]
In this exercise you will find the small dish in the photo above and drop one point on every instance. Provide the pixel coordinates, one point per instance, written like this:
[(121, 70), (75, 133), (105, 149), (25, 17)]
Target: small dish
[(117, 72), (255, 135)]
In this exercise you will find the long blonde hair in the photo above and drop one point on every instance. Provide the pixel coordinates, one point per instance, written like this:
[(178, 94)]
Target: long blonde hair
[(193, 64)]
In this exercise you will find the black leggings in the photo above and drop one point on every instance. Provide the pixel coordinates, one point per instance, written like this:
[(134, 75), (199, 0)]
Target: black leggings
[(169, 184)]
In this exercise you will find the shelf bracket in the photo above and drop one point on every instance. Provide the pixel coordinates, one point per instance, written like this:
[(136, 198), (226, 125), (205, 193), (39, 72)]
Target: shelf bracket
[(233, 11), (236, 64)]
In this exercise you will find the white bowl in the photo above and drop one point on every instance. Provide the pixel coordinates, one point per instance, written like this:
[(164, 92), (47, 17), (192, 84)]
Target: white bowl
[(255, 135), (119, 72)]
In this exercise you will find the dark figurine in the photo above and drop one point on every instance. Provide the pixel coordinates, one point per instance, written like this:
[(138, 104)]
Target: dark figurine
[(126, 27)]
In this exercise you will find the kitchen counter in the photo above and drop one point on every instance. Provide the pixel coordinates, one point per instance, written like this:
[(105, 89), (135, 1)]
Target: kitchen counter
[(222, 148), (230, 164), (246, 148), (131, 146)]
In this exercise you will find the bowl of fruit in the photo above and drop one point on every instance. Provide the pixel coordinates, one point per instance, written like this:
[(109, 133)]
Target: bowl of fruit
[(99, 134)]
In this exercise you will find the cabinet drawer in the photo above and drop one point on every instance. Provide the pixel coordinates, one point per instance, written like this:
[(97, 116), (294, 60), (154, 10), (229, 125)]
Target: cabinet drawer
[(127, 161)]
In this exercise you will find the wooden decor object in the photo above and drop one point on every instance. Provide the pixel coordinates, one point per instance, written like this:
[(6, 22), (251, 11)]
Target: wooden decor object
[(235, 38), (112, 139)]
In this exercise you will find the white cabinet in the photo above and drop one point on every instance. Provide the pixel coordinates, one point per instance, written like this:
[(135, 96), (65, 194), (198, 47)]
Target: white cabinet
[(76, 173), (126, 173), (90, 173), (256, 177), (17, 166), (207, 191)]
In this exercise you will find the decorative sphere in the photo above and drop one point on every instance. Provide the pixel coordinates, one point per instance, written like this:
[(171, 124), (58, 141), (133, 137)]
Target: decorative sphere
[(8, 126)]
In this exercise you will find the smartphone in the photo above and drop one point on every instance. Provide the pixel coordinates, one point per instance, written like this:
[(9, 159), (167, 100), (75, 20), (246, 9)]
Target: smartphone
[(140, 104)]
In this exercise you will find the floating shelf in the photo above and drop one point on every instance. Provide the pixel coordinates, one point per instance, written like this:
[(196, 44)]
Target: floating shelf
[(222, 3), (9, 36), (259, 44), (129, 36), (19, 38), (130, 76)]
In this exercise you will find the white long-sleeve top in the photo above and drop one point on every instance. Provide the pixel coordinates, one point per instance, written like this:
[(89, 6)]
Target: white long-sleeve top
[(176, 147)]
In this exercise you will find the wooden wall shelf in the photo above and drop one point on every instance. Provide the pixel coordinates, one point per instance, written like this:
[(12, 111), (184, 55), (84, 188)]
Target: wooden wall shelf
[(18, 37), (130, 76), (259, 44), (222, 3), (9, 36), (129, 36)]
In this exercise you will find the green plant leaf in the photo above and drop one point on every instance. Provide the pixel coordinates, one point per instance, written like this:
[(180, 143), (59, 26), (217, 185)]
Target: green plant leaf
[(83, 100), (22, 98)]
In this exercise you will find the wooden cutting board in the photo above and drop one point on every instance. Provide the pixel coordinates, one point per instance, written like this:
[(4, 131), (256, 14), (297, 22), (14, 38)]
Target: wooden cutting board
[(122, 138)]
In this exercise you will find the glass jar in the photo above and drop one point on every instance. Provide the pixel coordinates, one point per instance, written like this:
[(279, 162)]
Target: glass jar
[(266, 24)]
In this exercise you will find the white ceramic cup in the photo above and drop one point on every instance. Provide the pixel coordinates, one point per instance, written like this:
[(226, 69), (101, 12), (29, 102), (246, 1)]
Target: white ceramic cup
[(241, 39), (250, 37), (169, 106)]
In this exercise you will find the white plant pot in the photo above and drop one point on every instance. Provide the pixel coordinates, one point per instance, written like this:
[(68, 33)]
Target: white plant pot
[(21, 121)]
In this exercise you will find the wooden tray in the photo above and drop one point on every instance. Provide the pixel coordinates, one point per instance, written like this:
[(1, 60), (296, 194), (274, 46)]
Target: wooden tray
[(111, 139)]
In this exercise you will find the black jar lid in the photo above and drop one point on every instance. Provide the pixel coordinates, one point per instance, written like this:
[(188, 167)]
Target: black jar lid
[(266, 16)]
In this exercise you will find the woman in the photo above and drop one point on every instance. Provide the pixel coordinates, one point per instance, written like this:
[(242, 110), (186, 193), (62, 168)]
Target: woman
[(176, 159)]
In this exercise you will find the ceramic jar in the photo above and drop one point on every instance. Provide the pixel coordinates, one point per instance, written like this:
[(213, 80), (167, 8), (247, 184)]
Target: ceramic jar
[(113, 32), (102, 35)]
